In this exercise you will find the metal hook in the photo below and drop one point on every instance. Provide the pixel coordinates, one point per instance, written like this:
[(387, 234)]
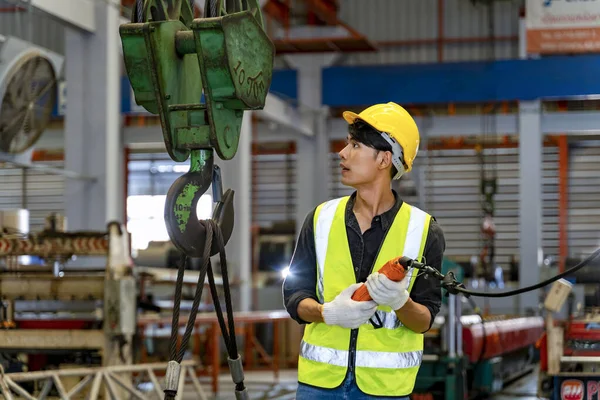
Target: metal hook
[(186, 231)]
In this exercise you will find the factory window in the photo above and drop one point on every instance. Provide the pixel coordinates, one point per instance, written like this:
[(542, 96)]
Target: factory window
[(145, 218)]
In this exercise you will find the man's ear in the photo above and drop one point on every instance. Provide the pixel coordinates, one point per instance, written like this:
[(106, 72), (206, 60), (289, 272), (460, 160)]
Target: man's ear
[(385, 159)]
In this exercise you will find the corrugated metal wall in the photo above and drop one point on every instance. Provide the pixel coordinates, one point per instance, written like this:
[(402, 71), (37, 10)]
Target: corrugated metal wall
[(452, 193), (584, 195), (36, 27), (36, 191), (407, 30), (274, 189)]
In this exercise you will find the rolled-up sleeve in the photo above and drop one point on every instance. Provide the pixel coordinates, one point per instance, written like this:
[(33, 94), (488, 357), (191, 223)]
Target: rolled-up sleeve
[(301, 281)]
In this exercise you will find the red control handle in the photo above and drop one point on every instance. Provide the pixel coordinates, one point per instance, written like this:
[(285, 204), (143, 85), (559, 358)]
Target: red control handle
[(392, 269)]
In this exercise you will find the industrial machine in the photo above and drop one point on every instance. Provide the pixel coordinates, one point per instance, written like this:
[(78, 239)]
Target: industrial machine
[(470, 355), (58, 316), (570, 349)]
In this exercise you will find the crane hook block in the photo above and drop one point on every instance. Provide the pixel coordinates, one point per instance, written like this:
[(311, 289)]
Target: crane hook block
[(199, 75)]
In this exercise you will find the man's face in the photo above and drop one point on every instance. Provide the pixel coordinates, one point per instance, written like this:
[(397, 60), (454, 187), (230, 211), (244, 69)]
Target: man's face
[(358, 163)]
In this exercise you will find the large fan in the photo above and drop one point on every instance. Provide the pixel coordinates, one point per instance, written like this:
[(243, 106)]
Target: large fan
[(28, 92)]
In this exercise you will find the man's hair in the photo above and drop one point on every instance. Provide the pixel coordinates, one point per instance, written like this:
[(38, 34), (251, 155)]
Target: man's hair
[(369, 136)]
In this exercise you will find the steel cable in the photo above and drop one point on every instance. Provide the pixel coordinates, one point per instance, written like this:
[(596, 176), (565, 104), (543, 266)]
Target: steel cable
[(213, 232), (140, 11)]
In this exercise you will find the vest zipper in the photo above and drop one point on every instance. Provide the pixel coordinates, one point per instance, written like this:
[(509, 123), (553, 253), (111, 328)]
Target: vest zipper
[(352, 358)]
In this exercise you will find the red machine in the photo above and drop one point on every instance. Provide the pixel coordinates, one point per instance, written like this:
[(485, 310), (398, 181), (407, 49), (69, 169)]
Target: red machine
[(580, 340), (569, 358), (503, 336)]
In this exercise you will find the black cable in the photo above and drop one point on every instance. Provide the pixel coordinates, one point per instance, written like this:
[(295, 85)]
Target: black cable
[(176, 306), (213, 231), (454, 287), (231, 343), (140, 10), (227, 293), (198, 295), (537, 285)]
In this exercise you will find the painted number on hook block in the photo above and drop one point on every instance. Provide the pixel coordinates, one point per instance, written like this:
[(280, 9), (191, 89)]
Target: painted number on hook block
[(254, 86), (183, 205)]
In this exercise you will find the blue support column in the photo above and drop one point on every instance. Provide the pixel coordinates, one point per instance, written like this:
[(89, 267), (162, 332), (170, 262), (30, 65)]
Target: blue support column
[(93, 123), (530, 200)]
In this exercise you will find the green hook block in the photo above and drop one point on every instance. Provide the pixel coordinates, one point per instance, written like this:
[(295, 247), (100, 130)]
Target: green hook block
[(228, 59)]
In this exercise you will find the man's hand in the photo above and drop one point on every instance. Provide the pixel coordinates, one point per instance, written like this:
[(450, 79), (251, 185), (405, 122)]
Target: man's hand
[(348, 313), (386, 292)]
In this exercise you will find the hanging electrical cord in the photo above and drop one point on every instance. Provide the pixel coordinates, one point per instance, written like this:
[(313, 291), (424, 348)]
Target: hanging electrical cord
[(213, 232), (453, 286)]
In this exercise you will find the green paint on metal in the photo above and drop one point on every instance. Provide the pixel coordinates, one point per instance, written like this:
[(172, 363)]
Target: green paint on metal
[(185, 200), (199, 159), (172, 60), (183, 205)]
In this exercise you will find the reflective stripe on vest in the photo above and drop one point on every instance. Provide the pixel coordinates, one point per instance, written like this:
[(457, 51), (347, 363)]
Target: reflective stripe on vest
[(367, 359)]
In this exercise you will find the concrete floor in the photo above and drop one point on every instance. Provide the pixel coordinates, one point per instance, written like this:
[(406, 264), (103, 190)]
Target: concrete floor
[(523, 389), (260, 386)]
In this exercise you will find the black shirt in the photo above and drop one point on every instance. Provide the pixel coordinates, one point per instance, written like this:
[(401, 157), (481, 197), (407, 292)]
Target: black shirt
[(301, 281)]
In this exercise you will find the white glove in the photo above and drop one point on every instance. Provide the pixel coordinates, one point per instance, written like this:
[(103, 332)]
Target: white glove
[(386, 292), (348, 313)]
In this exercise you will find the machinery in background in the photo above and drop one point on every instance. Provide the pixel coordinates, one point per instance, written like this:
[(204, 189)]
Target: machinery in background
[(467, 356), (570, 349), (588, 277), (162, 254), (58, 315)]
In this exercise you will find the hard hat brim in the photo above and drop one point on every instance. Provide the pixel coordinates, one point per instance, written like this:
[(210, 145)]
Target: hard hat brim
[(350, 116)]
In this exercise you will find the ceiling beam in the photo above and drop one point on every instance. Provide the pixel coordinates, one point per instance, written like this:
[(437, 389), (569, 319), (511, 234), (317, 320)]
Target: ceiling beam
[(283, 113), (80, 14), (570, 123), (553, 123), (151, 136)]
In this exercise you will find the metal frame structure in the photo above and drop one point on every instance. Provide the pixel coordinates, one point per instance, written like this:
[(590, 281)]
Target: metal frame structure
[(107, 378), (53, 291)]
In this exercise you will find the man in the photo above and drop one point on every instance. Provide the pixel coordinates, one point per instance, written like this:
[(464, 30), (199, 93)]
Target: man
[(374, 348)]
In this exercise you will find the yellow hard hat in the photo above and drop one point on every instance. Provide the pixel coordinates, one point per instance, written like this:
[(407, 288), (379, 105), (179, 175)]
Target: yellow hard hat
[(394, 120)]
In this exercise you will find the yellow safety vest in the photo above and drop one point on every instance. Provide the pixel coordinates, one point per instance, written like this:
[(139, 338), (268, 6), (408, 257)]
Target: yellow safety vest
[(387, 359)]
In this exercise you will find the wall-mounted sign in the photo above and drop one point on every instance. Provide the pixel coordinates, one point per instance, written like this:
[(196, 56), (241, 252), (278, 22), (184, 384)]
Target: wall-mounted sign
[(563, 26)]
